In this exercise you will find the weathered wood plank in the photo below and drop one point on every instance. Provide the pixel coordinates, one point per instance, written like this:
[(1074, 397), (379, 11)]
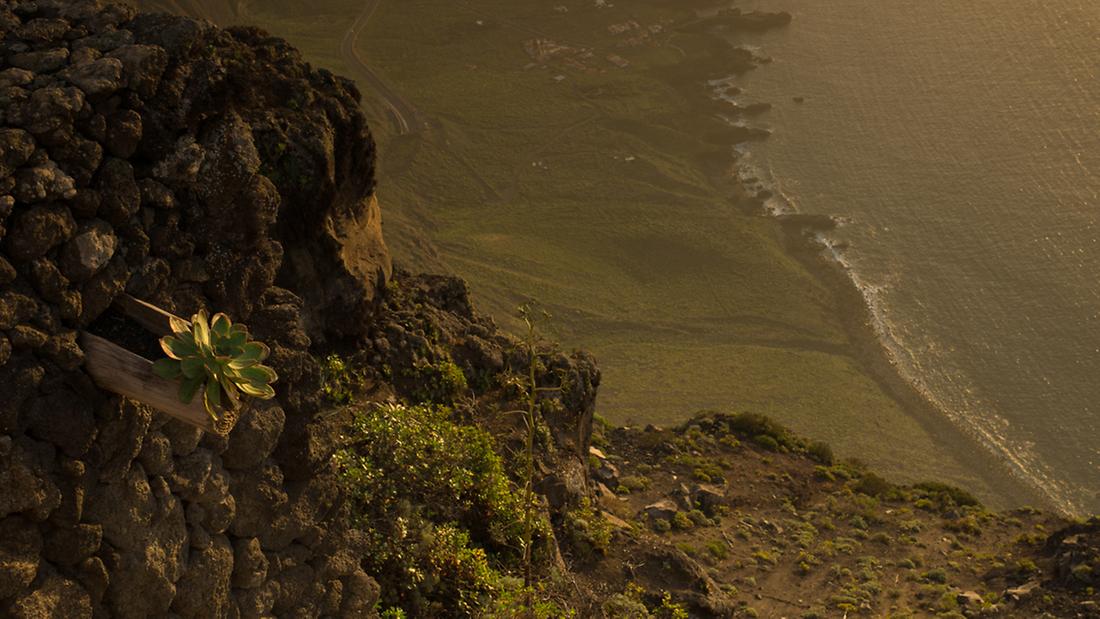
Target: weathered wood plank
[(120, 371), (149, 316)]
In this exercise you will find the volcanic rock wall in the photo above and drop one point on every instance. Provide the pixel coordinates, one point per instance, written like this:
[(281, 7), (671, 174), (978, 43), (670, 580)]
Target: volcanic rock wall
[(195, 168)]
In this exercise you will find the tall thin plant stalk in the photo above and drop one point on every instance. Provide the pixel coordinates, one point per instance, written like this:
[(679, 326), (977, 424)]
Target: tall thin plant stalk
[(531, 396)]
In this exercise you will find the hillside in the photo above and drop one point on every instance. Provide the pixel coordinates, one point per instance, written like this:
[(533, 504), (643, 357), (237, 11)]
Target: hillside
[(523, 160), (417, 461)]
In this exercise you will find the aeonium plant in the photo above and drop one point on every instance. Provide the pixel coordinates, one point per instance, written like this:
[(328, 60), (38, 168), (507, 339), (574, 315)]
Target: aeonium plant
[(217, 358)]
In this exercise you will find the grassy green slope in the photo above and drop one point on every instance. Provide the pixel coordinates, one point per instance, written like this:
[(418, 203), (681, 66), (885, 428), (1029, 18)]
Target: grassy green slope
[(521, 184)]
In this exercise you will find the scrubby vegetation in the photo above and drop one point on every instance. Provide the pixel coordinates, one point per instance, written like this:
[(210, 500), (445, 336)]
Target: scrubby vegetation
[(444, 520)]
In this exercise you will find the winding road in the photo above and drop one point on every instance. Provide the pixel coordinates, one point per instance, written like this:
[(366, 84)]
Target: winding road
[(404, 113)]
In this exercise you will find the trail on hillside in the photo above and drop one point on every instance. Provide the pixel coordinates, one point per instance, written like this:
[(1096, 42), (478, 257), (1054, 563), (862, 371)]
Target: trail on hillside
[(404, 113)]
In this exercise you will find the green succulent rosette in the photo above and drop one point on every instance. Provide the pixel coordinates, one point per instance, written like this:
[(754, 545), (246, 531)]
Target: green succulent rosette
[(215, 357)]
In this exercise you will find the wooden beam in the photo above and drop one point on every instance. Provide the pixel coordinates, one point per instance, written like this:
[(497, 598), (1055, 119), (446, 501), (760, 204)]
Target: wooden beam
[(149, 316), (120, 371)]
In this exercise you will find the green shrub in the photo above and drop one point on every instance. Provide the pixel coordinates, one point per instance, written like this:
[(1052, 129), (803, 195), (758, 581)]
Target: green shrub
[(765, 557), (682, 521), (669, 609), (821, 453), (634, 483), (436, 505), (946, 495), (937, 576), (624, 606), (339, 382), (699, 518), (586, 532), (438, 383), (1026, 567), (511, 603), (766, 441), (1082, 572), (873, 485), (754, 425), (718, 549)]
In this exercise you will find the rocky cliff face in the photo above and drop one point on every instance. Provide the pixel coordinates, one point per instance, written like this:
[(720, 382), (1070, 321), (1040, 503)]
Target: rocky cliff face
[(192, 167)]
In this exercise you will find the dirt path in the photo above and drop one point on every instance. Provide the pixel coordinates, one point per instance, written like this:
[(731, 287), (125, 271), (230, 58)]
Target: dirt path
[(404, 113)]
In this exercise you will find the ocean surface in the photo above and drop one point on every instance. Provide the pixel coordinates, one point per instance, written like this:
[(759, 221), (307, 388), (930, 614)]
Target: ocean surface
[(960, 144)]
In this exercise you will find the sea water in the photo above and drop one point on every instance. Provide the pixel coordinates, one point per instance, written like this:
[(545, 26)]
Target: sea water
[(960, 143)]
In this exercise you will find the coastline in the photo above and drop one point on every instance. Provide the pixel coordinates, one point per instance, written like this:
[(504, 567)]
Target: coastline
[(874, 356), (706, 55), (801, 238)]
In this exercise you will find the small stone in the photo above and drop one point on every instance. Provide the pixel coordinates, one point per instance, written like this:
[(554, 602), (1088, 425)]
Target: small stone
[(254, 437), (156, 195), (105, 41), (46, 61), (48, 280), (7, 272), (1023, 591), (16, 147), (663, 510), (96, 78), (142, 67), (63, 350), (71, 546), (124, 133), (48, 109), (708, 497), (249, 564), (204, 590), (121, 196), (16, 308), (89, 251), (56, 597), (20, 546), (970, 599), (92, 574), (615, 521), (607, 473), (83, 55), (43, 183), (156, 454), (71, 307), (38, 230), (15, 77), (42, 30), (26, 337)]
